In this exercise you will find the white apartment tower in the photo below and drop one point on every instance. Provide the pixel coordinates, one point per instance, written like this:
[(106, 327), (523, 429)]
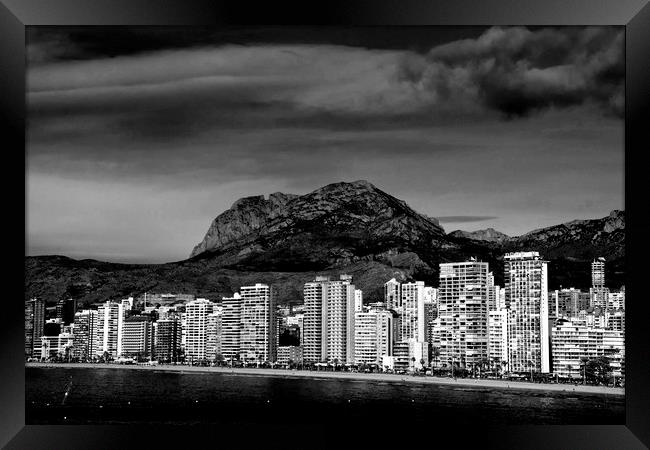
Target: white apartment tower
[(230, 326), (599, 293), (329, 320), (392, 294), (214, 333), (358, 300), (196, 318), (526, 284), (411, 310), (110, 320), (498, 336), (259, 325), (373, 336), (463, 312)]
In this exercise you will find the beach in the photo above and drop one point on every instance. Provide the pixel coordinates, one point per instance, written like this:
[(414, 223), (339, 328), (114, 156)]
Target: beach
[(385, 377)]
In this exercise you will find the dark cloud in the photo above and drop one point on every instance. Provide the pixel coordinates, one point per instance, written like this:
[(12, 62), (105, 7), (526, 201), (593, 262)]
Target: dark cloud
[(463, 219), (517, 71), (51, 44), (139, 138)]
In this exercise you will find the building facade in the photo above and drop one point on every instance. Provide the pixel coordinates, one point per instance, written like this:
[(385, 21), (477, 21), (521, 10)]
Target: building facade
[(574, 341), (137, 337), (329, 320), (373, 336), (167, 337), (85, 345), (110, 320), (34, 325), (197, 312), (230, 326), (463, 312), (526, 284), (259, 325)]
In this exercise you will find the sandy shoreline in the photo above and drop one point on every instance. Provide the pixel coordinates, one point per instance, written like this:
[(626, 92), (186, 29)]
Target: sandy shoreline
[(498, 384)]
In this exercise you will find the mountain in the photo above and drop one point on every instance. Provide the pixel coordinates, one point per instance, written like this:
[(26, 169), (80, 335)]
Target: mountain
[(489, 235), (334, 226), (353, 228)]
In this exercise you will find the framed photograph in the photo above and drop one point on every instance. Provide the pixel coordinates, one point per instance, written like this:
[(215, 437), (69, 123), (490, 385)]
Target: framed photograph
[(306, 226)]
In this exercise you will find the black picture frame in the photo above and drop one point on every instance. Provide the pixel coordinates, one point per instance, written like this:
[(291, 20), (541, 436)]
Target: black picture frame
[(633, 14)]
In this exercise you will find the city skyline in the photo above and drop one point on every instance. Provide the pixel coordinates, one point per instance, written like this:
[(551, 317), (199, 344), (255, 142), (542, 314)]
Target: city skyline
[(139, 138), (473, 323)]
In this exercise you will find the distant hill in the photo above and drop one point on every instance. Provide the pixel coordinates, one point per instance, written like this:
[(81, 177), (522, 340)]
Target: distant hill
[(353, 228)]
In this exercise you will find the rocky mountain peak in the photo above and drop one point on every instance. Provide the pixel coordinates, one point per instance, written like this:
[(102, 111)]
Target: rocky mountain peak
[(488, 234), (346, 213)]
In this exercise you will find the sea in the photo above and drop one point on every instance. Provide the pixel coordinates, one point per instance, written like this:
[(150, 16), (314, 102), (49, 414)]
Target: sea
[(113, 396)]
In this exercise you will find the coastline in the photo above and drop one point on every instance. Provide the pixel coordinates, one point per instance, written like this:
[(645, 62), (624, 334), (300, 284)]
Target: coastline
[(386, 377)]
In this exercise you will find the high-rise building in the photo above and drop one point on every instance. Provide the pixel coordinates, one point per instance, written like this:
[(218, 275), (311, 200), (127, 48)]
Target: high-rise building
[(373, 336), (358, 300), (526, 284), (298, 320), (230, 326), (197, 312), (430, 315), (110, 320), (392, 293), (259, 325), (167, 336), (599, 293), (498, 336), (463, 312), (85, 344), (214, 333), (34, 324), (492, 292), (137, 337), (411, 311), (565, 303), (617, 300), (65, 310), (329, 320), (615, 320), (598, 273)]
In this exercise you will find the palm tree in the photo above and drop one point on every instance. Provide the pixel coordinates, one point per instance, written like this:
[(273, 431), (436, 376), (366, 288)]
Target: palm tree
[(435, 353), (583, 362), (531, 364)]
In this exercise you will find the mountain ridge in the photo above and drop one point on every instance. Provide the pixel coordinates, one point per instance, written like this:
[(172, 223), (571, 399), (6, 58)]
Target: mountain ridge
[(338, 228)]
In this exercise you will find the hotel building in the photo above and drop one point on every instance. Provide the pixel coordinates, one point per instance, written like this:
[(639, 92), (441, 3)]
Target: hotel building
[(373, 336), (110, 320), (167, 336), (34, 324), (258, 340), (463, 312), (214, 333), (568, 302), (85, 345), (599, 293), (498, 336), (329, 320), (574, 339), (526, 284), (197, 312), (230, 326), (137, 337)]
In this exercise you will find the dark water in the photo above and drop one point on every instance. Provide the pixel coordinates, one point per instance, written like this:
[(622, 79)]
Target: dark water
[(111, 396)]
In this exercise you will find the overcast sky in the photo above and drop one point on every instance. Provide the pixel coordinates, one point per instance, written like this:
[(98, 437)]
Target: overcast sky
[(138, 138)]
